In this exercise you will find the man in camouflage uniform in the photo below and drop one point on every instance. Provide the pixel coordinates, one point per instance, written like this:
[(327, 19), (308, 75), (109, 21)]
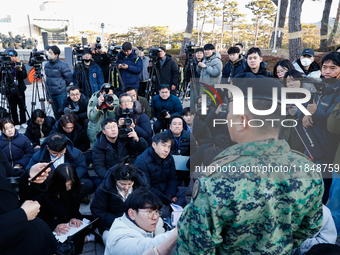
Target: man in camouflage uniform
[(253, 212)]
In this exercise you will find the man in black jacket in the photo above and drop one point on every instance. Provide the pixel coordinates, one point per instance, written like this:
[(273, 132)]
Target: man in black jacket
[(158, 167), (76, 103), (168, 71), (101, 59), (110, 148)]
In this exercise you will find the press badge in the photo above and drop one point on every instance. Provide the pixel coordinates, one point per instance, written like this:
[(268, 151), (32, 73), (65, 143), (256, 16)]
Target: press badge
[(15, 81), (179, 152)]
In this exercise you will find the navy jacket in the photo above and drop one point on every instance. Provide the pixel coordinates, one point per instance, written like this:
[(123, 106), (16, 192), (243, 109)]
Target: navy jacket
[(104, 156), (72, 156), (78, 136), (168, 73), (58, 76), (33, 130), (231, 70), (183, 145), (82, 104), (130, 76), (95, 79), (107, 204), (141, 120), (201, 132), (172, 105), (18, 149), (159, 173)]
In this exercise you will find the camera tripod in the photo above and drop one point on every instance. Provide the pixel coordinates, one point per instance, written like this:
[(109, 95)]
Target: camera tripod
[(192, 84), (9, 88), (45, 94), (150, 90), (118, 84), (80, 69)]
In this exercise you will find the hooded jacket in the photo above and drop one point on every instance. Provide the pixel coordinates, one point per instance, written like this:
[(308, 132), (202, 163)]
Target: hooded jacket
[(211, 75), (95, 78), (168, 72), (141, 120), (18, 149), (232, 69), (130, 76), (125, 237), (104, 156), (312, 72), (107, 204), (58, 76), (33, 130), (82, 104)]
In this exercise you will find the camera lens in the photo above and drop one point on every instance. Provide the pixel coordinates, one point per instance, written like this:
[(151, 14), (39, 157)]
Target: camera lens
[(109, 99)]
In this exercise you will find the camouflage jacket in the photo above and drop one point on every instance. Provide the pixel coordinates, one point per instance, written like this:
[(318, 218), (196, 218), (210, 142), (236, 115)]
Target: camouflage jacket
[(234, 213)]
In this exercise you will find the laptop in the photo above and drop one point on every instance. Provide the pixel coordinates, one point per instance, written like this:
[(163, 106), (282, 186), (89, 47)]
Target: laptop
[(181, 162)]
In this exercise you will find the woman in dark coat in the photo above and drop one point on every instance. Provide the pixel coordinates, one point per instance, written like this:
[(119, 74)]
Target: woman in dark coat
[(39, 127), (108, 203), (59, 208), (68, 126), (19, 233), (17, 147)]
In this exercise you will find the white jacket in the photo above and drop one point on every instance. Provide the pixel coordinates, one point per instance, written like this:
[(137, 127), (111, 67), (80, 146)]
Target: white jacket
[(126, 238)]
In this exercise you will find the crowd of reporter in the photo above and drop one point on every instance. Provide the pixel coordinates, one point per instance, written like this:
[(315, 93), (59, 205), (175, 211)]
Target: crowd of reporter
[(130, 142)]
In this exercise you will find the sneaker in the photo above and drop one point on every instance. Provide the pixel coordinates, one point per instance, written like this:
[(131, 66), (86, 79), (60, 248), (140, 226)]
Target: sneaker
[(24, 126), (17, 127)]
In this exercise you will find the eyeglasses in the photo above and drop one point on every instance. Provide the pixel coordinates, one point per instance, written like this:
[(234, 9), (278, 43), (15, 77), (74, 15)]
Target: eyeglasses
[(151, 214), (75, 95), (125, 102)]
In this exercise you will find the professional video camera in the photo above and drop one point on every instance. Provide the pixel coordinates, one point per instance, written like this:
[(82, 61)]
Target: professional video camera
[(189, 50), (98, 45), (153, 53), (36, 59), (127, 116), (78, 51), (315, 86), (113, 52), (4, 60)]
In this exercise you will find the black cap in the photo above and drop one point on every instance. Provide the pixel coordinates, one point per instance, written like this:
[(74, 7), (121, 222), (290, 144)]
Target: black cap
[(87, 51), (262, 86), (209, 46), (140, 48), (162, 48), (308, 52), (11, 52), (47, 47), (199, 49)]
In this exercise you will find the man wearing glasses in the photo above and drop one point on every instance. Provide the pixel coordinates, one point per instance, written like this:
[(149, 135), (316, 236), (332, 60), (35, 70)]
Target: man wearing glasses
[(110, 147), (140, 230), (76, 103), (130, 114), (58, 145), (130, 65)]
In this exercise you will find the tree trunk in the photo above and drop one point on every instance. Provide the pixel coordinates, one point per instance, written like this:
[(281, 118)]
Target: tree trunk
[(335, 27), (324, 26), (232, 33), (198, 33), (190, 25), (295, 46), (282, 19), (213, 30), (256, 29), (224, 2)]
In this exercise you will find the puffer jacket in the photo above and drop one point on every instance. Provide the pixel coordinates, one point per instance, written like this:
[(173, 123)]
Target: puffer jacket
[(168, 72), (183, 146), (130, 76), (312, 72), (95, 79), (81, 104), (173, 105), (232, 69), (333, 126), (33, 130), (18, 149), (58, 76), (159, 173), (141, 120), (107, 204), (262, 71), (211, 75), (96, 116)]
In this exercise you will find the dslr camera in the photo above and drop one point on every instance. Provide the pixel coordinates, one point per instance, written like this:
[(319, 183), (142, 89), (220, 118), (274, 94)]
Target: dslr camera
[(108, 99), (153, 53), (98, 45), (163, 113), (127, 116), (123, 134)]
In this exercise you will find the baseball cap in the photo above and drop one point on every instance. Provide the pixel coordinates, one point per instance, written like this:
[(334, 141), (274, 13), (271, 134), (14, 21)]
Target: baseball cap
[(308, 52)]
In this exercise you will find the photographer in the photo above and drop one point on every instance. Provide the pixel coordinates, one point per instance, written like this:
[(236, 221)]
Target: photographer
[(101, 59), (18, 71), (144, 75), (130, 114), (129, 65), (199, 54), (58, 77), (76, 103), (113, 145), (102, 104), (93, 75), (168, 70), (165, 105), (131, 91)]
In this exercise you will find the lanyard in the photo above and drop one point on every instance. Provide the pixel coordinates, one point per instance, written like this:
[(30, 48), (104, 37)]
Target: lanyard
[(178, 144)]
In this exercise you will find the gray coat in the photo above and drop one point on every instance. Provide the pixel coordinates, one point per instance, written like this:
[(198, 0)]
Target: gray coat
[(212, 73), (144, 75)]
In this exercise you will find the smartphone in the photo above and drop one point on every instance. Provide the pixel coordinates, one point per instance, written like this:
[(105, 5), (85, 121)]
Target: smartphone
[(42, 170)]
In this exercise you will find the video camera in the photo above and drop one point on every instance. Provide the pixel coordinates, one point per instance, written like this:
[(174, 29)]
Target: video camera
[(113, 52), (189, 49), (36, 59), (4, 60), (153, 53), (98, 45), (127, 116), (78, 52)]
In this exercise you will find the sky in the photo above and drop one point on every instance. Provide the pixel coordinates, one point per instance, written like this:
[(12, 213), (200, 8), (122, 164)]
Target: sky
[(119, 15)]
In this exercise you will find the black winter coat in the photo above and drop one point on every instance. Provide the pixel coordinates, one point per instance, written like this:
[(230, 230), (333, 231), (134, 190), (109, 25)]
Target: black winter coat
[(104, 63), (183, 144), (33, 130), (17, 234), (107, 204), (105, 157), (168, 73), (232, 69), (18, 149), (82, 104), (78, 136), (160, 173), (141, 120), (201, 132), (262, 71)]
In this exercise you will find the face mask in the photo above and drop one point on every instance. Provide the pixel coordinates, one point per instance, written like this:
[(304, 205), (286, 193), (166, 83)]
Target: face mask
[(87, 61), (306, 61), (51, 56)]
